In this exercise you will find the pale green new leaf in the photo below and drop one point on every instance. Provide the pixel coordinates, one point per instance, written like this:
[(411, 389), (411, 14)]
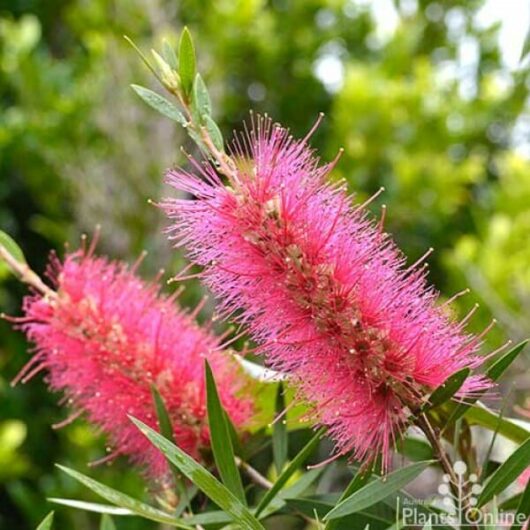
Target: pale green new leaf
[(46, 523), (107, 523)]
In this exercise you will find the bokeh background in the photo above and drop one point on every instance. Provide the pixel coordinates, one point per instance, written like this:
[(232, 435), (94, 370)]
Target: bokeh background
[(429, 99)]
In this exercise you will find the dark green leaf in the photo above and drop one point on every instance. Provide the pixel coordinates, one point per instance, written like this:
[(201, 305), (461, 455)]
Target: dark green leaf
[(494, 372), (377, 490), (506, 474), (360, 479), (415, 449), (201, 99), (46, 523), (92, 506), (293, 491), (123, 500), (279, 433), (164, 421), (523, 508), (289, 471), (187, 62), (169, 55), (160, 104), (479, 415), (512, 503), (448, 389), (204, 480), (107, 523), (214, 133), (223, 450), (11, 247)]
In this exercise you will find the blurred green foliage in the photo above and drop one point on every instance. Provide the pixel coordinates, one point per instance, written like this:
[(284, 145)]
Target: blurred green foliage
[(446, 137)]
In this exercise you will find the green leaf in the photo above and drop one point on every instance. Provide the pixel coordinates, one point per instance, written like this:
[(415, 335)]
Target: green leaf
[(46, 523), (523, 508), (506, 473), (312, 506), (123, 500), (11, 247), (91, 506), (293, 491), (494, 372), (288, 472), (107, 523), (215, 133), (223, 450), (169, 55), (377, 490), (415, 449), (204, 480), (143, 57), (160, 104), (448, 389), (161, 413), (187, 62), (478, 414), (202, 105), (279, 433), (360, 479)]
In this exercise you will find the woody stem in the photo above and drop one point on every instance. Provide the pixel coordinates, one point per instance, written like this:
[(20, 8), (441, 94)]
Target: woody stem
[(423, 423)]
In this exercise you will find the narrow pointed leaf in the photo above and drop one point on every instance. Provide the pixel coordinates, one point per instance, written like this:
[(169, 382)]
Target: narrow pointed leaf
[(160, 104), (289, 471), (187, 61), (494, 372), (201, 99), (92, 506), (377, 490), (123, 500), (223, 450), (215, 133), (448, 389), (11, 246), (163, 417), (47, 522), (143, 57), (203, 479), (279, 433), (360, 479), (478, 414), (107, 523), (516, 463), (523, 508), (169, 55)]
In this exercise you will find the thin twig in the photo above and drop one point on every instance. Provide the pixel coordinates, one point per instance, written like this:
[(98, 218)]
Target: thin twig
[(253, 474)]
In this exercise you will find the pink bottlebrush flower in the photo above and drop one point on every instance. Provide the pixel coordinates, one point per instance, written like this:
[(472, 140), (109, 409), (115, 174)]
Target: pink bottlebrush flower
[(323, 290), (106, 337), (524, 477)]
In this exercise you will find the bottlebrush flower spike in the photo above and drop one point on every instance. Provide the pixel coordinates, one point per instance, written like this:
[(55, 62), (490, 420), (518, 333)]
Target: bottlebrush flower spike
[(106, 337), (323, 290)]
